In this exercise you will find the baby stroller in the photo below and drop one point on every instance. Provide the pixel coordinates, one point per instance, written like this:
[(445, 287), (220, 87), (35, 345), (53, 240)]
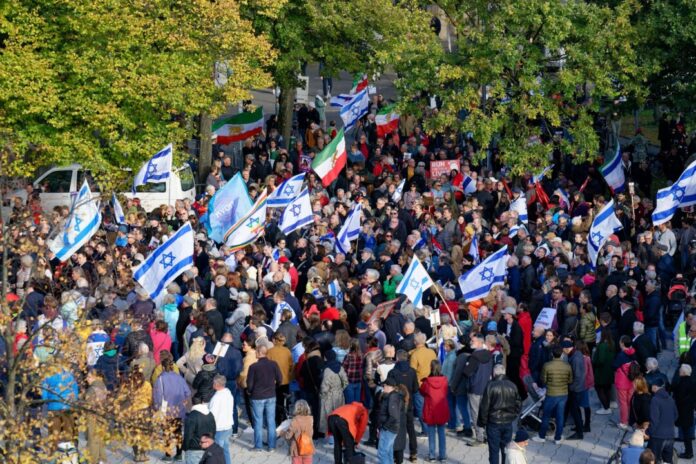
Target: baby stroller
[(676, 299), (530, 417)]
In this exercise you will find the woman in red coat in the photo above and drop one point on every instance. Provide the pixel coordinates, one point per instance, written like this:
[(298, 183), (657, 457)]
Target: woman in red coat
[(436, 411)]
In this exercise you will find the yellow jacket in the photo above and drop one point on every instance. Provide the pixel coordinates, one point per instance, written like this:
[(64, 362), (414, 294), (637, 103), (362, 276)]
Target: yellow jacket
[(283, 357), (421, 358)]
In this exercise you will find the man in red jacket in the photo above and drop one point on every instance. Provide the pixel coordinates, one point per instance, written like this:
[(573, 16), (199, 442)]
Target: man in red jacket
[(347, 424)]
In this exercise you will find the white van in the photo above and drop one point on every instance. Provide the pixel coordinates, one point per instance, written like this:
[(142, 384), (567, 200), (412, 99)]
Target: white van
[(58, 185)]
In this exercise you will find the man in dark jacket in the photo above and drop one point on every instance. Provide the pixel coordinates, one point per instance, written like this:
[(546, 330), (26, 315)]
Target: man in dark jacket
[(576, 390), (500, 407), (478, 371), (627, 318), (528, 279), (511, 330), (403, 374), (198, 422), (230, 366), (143, 309), (651, 311), (263, 378), (215, 318), (643, 345), (134, 339), (663, 415), (458, 386), (538, 355), (213, 453), (393, 326)]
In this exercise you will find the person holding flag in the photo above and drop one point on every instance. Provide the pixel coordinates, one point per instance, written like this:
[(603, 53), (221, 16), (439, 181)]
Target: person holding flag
[(481, 279), (604, 225)]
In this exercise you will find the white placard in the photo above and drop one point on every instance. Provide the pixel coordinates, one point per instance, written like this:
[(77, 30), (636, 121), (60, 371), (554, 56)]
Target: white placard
[(435, 317), (371, 90), (220, 349), (545, 318)]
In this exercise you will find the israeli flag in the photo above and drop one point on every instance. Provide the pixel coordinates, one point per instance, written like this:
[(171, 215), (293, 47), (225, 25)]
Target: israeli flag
[(84, 220), (336, 292), (604, 224), (226, 207), (278, 313), (681, 194), (250, 227), (468, 185), (398, 193), (350, 229), (473, 249), (167, 262), (613, 171), (520, 206), (118, 210), (415, 282), (340, 100), (286, 192), (514, 229), (355, 109), (563, 197), (298, 214), (538, 177), (478, 282), (156, 170)]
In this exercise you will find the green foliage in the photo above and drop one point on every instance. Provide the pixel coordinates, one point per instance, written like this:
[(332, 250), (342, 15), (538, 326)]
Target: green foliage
[(513, 47), (108, 83)]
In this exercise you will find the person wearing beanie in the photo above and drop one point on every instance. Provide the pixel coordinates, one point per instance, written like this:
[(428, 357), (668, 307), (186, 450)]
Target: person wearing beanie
[(515, 450)]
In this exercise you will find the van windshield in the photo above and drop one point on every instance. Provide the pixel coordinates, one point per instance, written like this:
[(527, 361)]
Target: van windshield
[(152, 188), (187, 180)]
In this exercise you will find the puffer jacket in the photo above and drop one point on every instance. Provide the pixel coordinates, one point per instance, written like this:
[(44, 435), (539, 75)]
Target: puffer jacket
[(501, 402), (556, 375), (435, 406), (586, 328), (203, 383)]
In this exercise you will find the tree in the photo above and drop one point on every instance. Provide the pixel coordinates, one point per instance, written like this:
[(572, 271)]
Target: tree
[(109, 83), (356, 36), (525, 69)]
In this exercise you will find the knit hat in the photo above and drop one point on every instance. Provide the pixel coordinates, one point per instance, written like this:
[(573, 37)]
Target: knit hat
[(521, 436)]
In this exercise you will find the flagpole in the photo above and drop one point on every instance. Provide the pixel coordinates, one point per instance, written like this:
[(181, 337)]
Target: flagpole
[(444, 300)]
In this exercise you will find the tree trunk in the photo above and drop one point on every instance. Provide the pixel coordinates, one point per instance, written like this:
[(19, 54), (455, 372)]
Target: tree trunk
[(205, 150), (287, 104)]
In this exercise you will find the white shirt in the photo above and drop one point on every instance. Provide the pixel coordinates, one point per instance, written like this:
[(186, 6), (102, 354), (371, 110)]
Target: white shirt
[(222, 405)]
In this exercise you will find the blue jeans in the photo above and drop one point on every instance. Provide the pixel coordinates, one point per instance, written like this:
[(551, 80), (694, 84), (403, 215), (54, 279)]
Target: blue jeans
[(651, 332), (222, 438), (463, 407), (385, 450), (418, 405), (440, 430), (499, 435), (264, 408), (352, 392), (458, 406), (553, 405), (232, 386), (194, 456)]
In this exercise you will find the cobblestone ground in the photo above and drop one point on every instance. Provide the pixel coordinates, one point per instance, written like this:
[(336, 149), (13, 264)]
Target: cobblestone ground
[(597, 446)]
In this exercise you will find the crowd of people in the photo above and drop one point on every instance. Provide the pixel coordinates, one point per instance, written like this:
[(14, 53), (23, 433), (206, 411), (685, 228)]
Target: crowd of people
[(259, 333)]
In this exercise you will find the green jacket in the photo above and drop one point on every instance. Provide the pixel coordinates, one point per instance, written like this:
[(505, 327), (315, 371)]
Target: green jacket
[(556, 375), (389, 286), (586, 329), (602, 361)]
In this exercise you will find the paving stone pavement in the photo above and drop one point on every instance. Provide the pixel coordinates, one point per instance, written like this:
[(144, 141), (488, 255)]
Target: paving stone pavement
[(596, 448)]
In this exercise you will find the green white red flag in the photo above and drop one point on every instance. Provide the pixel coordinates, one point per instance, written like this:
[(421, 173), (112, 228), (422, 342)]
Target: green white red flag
[(387, 121), (239, 127), (359, 83), (329, 163)]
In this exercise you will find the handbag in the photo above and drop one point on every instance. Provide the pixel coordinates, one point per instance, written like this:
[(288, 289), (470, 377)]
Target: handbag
[(305, 446)]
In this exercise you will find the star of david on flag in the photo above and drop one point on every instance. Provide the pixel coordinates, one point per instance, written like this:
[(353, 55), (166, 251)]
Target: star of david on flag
[(298, 213), (681, 194), (355, 109), (491, 272), (250, 227), (166, 262), (604, 224), (84, 220), (416, 281), (286, 192), (156, 170)]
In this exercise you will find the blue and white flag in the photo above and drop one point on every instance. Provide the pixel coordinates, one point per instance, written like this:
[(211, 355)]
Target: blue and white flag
[(478, 282), (278, 313), (468, 184), (336, 292), (355, 109), (118, 210), (250, 227), (286, 191), (520, 206), (350, 229), (538, 177), (419, 244), (563, 197), (228, 205), (399, 192), (681, 194), (473, 249), (156, 170), (415, 282), (167, 262), (613, 171), (340, 100), (604, 224), (83, 222), (514, 229), (297, 214)]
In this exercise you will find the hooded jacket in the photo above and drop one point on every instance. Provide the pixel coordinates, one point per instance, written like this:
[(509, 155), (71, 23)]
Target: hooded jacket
[(199, 421), (390, 411), (435, 406), (478, 370), (203, 382), (405, 375), (621, 367), (111, 365)]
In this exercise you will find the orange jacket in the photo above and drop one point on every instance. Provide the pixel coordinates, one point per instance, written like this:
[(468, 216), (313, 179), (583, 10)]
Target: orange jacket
[(356, 415)]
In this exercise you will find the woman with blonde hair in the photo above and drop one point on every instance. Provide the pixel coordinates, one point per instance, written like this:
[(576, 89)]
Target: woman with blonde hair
[(192, 362), (300, 432)]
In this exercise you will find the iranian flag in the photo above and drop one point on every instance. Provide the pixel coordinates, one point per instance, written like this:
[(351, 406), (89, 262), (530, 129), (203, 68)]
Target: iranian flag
[(387, 120), (238, 127), (331, 160), (359, 83)]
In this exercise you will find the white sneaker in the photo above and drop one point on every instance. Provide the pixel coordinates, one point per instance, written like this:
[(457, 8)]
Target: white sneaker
[(558, 442), (624, 426), (613, 405), (538, 439), (603, 412)]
